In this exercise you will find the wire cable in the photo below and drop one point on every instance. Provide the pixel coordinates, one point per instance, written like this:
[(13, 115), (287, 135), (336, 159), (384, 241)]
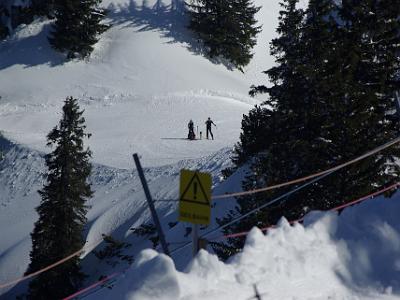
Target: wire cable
[(298, 180)]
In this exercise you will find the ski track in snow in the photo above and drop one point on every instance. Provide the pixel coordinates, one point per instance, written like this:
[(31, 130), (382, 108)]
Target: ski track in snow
[(155, 127), (145, 79)]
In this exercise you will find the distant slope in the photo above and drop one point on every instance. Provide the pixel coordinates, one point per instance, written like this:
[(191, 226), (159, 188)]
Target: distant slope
[(147, 51), (148, 66), (145, 79)]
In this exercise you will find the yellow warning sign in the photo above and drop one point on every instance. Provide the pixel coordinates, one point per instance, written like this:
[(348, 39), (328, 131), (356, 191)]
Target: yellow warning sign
[(195, 197)]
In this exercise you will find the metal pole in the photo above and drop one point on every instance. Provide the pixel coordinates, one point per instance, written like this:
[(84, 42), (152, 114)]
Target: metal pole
[(151, 205), (195, 235), (397, 102)]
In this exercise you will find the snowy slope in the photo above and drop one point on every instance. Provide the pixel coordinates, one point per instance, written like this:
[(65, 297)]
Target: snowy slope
[(146, 78), (144, 81), (153, 126), (147, 66)]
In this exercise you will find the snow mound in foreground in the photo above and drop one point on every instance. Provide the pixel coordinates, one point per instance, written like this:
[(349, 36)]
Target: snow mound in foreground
[(324, 259)]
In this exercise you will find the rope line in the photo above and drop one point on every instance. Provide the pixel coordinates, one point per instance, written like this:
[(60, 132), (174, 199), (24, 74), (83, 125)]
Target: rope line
[(92, 286), (269, 203), (234, 235), (333, 169), (239, 234), (301, 179), (256, 209), (57, 263), (15, 281), (315, 177)]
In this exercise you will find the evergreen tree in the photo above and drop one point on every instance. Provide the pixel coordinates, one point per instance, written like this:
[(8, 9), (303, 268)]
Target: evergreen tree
[(332, 99), (241, 40), (207, 18), (267, 128), (369, 67), (58, 231), (257, 130), (16, 12), (227, 28), (4, 15), (77, 27), (43, 7)]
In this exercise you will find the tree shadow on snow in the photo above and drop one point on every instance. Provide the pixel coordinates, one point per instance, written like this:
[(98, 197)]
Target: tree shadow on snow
[(170, 20), (18, 290), (5, 144), (373, 249), (20, 287), (30, 51)]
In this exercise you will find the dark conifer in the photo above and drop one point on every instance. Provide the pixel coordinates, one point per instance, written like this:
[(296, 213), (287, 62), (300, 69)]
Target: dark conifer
[(4, 15), (332, 98), (241, 38), (227, 28), (268, 129), (369, 68), (257, 130), (58, 231), (43, 7), (261, 125), (77, 26)]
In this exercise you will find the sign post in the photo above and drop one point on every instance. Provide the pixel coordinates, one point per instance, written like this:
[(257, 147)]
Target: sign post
[(195, 201), (397, 102), (164, 244), (195, 238)]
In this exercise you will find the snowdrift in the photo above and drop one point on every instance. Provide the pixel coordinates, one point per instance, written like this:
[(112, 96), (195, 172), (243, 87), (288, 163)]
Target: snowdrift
[(352, 256), (145, 79)]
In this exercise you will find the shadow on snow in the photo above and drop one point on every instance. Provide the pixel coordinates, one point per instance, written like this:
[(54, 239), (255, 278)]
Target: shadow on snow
[(170, 20), (30, 51)]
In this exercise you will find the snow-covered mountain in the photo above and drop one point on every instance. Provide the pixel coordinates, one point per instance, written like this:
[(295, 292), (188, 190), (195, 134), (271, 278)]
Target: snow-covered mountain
[(145, 79)]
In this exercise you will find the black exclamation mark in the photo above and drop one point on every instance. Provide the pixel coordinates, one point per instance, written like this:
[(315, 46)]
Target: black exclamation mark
[(195, 190)]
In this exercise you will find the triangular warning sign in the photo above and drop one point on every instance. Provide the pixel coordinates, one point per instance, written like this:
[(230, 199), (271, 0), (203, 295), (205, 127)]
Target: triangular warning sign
[(195, 197), (194, 192)]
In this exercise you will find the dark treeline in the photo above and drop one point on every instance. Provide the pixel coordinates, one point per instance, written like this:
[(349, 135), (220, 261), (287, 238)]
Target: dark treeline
[(76, 28), (332, 97), (227, 29)]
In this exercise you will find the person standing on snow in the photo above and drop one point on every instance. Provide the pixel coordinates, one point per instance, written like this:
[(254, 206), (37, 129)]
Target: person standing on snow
[(208, 125), (191, 135)]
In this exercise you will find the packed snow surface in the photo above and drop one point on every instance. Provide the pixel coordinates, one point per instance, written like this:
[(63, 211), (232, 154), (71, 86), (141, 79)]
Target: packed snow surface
[(146, 78)]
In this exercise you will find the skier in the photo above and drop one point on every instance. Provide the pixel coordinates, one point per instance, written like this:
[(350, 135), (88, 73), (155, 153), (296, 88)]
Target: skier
[(208, 125), (191, 135)]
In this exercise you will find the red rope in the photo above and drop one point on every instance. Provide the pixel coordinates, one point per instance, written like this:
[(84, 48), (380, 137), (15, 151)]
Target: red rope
[(15, 281), (92, 286), (376, 150), (239, 234), (234, 235), (55, 264), (333, 169)]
